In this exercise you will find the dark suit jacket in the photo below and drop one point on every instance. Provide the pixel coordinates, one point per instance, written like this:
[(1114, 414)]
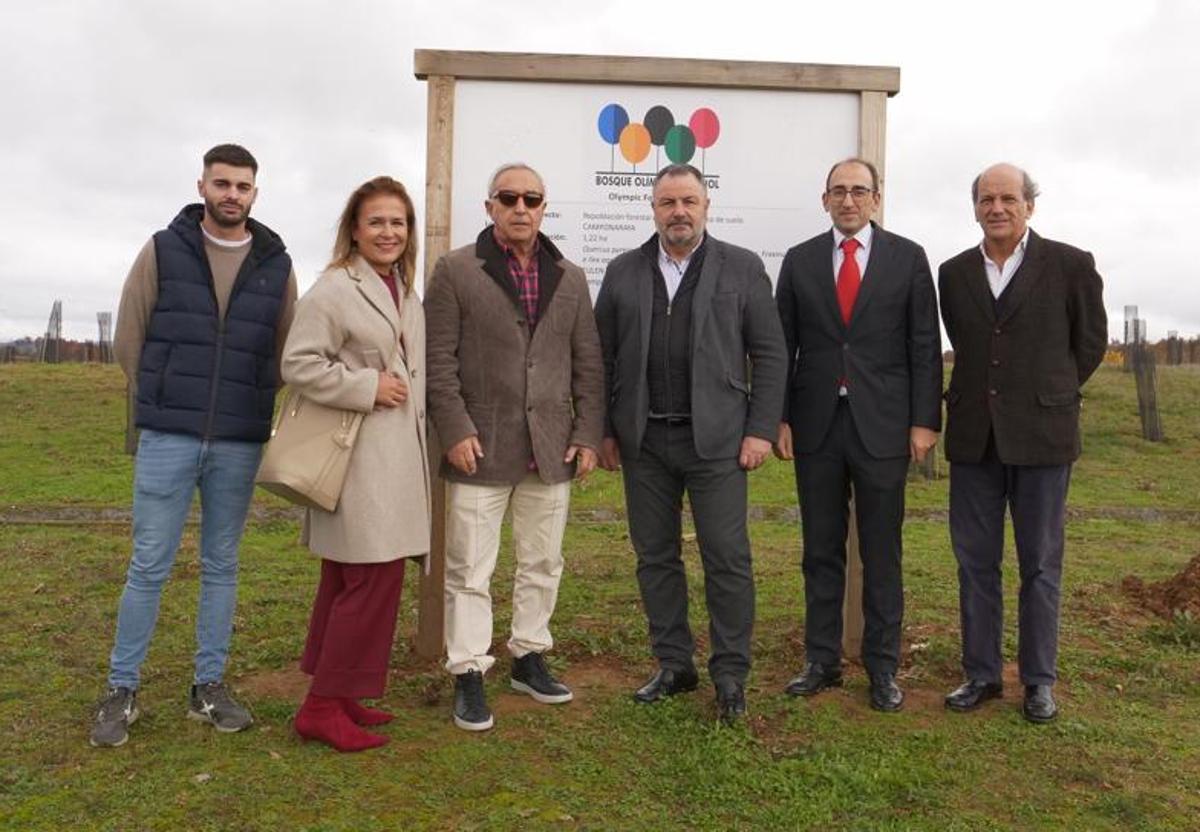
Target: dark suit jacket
[(890, 353), (524, 394), (1017, 373), (737, 353)]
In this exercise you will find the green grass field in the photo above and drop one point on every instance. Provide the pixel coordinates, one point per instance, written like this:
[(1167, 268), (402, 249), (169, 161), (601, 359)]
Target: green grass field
[(1125, 753)]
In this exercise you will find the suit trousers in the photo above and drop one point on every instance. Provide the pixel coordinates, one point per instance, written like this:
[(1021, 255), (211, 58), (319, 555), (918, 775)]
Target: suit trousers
[(655, 482), (1036, 497), (474, 516), (823, 480), (352, 628)]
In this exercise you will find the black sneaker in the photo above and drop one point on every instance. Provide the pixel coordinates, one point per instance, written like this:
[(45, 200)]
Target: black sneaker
[(212, 703), (470, 705), (530, 675), (117, 711)]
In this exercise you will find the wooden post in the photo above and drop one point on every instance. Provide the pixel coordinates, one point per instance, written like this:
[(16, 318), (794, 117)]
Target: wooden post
[(131, 431), (439, 158), (872, 138), (1144, 375), (928, 467)]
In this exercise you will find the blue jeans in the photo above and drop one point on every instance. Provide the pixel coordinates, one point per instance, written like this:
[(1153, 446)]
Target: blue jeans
[(169, 468)]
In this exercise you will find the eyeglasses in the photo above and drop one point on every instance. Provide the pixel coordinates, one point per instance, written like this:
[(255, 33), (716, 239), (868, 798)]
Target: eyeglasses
[(508, 199), (858, 193)]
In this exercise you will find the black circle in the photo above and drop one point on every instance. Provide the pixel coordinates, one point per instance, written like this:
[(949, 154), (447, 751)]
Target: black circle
[(658, 121)]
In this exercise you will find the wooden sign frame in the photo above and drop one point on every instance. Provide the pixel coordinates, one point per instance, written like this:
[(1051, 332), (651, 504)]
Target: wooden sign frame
[(442, 69)]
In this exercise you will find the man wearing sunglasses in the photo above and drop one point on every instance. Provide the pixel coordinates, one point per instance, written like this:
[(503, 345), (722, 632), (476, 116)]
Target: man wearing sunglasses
[(865, 370), (695, 365), (514, 389)]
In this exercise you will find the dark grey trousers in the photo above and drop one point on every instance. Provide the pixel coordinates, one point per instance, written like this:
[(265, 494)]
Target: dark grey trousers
[(655, 482), (1036, 497), (823, 480)]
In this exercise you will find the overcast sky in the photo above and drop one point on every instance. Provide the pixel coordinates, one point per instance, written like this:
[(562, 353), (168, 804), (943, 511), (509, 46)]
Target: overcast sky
[(108, 106)]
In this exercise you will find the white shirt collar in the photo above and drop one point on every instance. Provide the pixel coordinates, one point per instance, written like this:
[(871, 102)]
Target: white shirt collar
[(863, 236), (217, 241), (1019, 250), (666, 257)]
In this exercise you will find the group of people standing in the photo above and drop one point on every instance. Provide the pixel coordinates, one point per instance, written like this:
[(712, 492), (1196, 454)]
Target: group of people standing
[(686, 376)]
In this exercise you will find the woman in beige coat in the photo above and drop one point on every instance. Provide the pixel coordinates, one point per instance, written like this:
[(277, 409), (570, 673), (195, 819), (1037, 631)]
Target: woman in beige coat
[(358, 343)]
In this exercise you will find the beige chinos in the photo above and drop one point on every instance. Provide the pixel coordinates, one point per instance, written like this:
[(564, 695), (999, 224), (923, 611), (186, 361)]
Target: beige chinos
[(474, 517)]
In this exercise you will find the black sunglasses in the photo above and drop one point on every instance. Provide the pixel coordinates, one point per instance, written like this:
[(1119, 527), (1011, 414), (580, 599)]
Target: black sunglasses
[(508, 199)]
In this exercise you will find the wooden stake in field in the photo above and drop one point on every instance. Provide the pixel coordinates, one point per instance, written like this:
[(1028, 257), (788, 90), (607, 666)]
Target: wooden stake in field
[(1147, 390)]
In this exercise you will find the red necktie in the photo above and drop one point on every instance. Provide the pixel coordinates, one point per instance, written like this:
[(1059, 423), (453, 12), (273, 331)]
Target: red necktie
[(848, 278)]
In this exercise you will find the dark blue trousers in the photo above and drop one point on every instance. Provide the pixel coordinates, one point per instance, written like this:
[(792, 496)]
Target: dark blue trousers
[(1036, 497)]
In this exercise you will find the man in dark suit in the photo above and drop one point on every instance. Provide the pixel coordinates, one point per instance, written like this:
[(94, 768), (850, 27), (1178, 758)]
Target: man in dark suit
[(680, 320), (865, 369), (1026, 318)]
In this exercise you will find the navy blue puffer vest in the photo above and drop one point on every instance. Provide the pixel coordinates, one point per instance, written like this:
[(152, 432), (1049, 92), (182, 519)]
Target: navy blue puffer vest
[(199, 374)]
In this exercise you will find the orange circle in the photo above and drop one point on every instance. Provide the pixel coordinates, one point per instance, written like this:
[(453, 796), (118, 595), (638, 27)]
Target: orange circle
[(635, 143)]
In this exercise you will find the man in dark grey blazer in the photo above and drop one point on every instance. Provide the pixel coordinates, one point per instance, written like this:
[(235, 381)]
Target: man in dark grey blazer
[(1026, 318), (695, 373), (865, 370)]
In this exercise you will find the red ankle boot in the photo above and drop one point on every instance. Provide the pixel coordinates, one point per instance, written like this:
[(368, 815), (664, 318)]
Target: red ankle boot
[(322, 718), (360, 714)]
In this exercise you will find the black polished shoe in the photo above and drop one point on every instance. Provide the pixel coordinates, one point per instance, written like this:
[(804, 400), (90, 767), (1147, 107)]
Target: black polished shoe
[(815, 678), (1039, 705), (972, 693), (731, 701), (667, 682), (885, 693)]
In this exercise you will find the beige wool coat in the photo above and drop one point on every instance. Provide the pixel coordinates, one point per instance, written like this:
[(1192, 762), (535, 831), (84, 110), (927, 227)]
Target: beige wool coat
[(346, 329)]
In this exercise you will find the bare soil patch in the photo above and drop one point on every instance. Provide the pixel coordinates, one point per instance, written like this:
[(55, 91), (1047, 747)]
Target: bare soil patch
[(287, 683), (1179, 593)]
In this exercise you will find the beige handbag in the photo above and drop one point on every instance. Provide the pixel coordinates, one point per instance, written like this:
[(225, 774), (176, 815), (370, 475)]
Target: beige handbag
[(306, 459)]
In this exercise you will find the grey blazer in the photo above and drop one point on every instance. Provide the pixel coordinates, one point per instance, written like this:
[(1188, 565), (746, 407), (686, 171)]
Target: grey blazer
[(738, 357)]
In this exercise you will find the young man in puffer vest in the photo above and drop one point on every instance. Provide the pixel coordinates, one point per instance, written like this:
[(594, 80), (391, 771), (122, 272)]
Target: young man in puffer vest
[(203, 317)]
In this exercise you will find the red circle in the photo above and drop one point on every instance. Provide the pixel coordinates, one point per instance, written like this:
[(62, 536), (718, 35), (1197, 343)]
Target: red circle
[(706, 126)]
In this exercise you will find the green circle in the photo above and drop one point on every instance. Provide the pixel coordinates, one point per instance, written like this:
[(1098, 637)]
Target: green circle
[(680, 144)]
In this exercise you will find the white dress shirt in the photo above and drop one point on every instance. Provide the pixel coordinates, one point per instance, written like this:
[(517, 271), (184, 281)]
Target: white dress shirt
[(673, 270), (860, 256), (998, 277)]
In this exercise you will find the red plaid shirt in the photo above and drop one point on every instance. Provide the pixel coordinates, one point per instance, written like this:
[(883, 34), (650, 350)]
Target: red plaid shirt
[(525, 279)]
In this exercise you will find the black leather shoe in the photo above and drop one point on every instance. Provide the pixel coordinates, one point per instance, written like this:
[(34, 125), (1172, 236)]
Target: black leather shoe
[(815, 678), (667, 682), (1039, 705), (973, 693), (731, 701), (885, 693)]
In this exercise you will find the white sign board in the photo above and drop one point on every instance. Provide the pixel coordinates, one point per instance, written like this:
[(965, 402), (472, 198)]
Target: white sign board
[(764, 154)]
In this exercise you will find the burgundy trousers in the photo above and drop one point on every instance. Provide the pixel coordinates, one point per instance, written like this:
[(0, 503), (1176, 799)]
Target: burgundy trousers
[(352, 628)]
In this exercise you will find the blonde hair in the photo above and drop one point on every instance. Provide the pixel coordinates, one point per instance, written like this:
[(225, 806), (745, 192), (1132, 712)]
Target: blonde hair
[(344, 247)]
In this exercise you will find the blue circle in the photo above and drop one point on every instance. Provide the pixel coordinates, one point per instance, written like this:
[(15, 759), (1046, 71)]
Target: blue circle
[(613, 119)]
